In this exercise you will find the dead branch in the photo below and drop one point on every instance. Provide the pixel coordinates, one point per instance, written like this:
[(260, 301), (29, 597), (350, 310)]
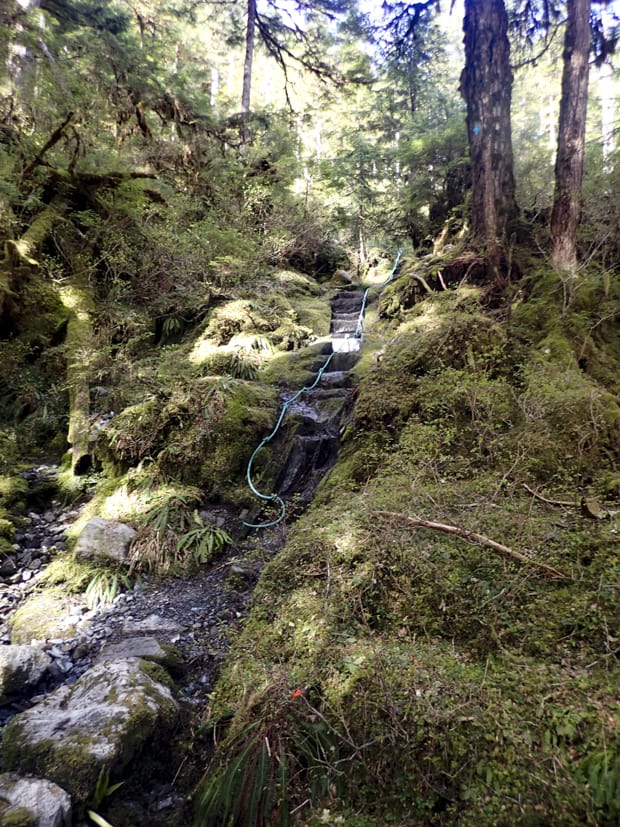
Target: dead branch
[(570, 503), (474, 539), (53, 139)]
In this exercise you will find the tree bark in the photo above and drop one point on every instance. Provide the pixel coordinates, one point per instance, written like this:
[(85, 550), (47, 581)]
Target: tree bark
[(571, 136), (77, 297), (247, 70), (19, 255), (486, 85)]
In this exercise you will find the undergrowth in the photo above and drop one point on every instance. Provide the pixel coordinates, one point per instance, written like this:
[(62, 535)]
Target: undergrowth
[(456, 683)]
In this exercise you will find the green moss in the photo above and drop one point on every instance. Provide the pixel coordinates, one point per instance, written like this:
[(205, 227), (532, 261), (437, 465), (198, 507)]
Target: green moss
[(13, 491), (18, 817), (40, 617), (7, 529), (70, 765), (159, 671), (461, 668)]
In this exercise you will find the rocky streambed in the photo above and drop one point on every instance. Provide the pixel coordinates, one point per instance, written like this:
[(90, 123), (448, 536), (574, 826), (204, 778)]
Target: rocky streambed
[(118, 691), (111, 680)]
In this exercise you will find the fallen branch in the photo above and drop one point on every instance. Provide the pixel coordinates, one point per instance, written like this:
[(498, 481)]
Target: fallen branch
[(571, 503), (51, 141), (473, 538)]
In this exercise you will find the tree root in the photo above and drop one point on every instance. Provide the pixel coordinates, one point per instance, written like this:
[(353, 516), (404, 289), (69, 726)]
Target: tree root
[(474, 539)]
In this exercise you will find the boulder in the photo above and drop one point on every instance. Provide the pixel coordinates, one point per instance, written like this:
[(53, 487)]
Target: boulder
[(105, 719), (105, 540), (43, 616), (21, 668), (34, 802)]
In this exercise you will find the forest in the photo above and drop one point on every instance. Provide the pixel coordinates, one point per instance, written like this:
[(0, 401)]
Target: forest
[(365, 257)]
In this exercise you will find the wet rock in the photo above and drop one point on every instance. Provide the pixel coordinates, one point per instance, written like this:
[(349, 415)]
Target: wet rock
[(152, 623), (8, 566), (21, 668), (104, 719), (35, 801), (105, 539), (148, 648)]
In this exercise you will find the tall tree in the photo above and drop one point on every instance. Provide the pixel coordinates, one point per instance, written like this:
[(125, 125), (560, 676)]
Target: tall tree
[(571, 136), (291, 34), (486, 85), (247, 69)]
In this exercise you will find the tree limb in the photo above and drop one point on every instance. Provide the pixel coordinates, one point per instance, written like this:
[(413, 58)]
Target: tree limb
[(53, 139), (474, 539)]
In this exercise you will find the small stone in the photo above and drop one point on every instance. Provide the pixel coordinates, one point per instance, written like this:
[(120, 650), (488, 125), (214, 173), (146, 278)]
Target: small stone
[(8, 567), (152, 623), (35, 564), (44, 803), (81, 651), (21, 667), (26, 575)]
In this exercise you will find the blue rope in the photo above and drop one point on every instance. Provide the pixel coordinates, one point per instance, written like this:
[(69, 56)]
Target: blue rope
[(248, 475), (360, 321), (267, 439)]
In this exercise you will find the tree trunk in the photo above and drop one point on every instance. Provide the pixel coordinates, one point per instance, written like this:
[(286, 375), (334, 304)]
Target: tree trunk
[(247, 70), (19, 255), (77, 297), (486, 85), (571, 136)]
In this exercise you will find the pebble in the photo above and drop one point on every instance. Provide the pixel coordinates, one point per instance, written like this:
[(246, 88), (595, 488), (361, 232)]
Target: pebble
[(201, 601)]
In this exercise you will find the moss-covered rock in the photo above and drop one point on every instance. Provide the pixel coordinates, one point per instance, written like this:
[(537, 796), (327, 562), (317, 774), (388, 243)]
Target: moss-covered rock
[(32, 802), (21, 668), (41, 617), (104, 720)]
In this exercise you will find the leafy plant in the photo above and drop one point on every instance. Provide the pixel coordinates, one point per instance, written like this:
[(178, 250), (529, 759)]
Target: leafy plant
[(103, 789), (243, 364), (203, 541), (105, 586), (602, 774), (291, 746), (176, 535)]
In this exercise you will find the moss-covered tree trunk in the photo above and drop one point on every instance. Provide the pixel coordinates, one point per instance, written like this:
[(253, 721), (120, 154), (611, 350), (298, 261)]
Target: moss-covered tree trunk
[(77, 297), (247, 70), (571, 136), (19, 253), (486, 85)]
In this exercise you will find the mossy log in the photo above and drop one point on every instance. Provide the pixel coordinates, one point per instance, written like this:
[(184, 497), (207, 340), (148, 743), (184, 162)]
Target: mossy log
[(19, 253), (22, 250), (77, 297)]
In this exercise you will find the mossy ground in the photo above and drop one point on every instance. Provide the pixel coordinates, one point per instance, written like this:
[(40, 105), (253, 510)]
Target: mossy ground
[(387, 673), (454, 684)]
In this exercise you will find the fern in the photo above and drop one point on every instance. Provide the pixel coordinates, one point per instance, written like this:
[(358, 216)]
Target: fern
[(204, 541), (104, 586)]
